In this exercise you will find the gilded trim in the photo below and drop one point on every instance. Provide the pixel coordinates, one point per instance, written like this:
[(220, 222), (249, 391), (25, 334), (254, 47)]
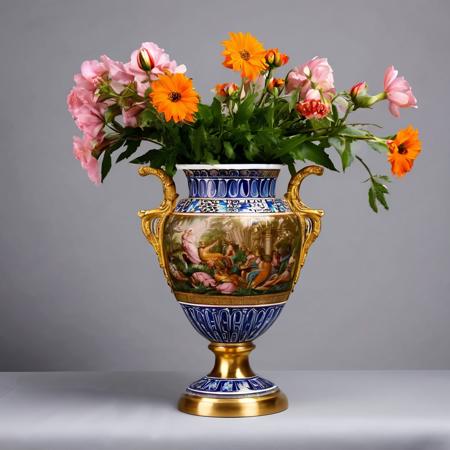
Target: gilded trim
[(310, 219), (231, 300), (225, 214), (152, 220)]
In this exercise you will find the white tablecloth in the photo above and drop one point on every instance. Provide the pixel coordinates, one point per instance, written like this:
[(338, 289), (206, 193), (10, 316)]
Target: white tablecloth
[(328, 410)]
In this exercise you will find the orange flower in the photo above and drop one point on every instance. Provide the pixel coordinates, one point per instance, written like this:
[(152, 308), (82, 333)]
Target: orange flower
[(244, 53), (277, 83), (226, 89), (174, 96), (403, 150), (274, 58)]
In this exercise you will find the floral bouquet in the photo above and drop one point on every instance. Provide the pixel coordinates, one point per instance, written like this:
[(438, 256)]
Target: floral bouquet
[(263, 119)]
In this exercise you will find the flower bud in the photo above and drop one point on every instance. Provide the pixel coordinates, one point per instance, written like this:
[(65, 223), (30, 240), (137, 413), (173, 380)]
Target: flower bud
[(274, 58), (275, 85), (145, 60), (358, 89), (226, 89)]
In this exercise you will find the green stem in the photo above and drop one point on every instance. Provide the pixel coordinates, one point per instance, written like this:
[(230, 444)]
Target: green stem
[(365, 165), (264, 91)]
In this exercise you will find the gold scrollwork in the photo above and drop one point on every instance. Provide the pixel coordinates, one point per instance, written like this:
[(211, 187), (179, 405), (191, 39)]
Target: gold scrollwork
[(309, 218), (152, 220)]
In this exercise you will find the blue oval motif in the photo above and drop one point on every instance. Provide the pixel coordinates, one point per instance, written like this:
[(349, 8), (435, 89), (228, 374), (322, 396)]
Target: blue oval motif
[(265, 186), (254, 191), (272, 187), (212, 189), (244, 188), (233, 188), (221, 188), (193, 187), (202, 188)]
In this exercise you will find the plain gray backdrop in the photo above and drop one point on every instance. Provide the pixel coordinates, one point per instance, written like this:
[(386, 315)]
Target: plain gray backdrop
[(81, 288)]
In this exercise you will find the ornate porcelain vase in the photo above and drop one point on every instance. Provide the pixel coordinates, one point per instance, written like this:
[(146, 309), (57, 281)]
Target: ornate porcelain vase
[(231, 253)]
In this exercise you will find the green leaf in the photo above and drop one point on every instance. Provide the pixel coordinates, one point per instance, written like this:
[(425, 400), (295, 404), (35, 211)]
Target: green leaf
[(347, 155), (132, 146), (382, 178), (216, 110), (289, 145), (205, 114), (148, 118), (269, 115), (353, 131), (338, 143), (379, 147), (312, 152), (111, 112), (106, 164), (380, 191), (251, 151), (245, 110), (334, 113), (198, 142), (145, 158), (372, 200), (228, 150), (293, 99)]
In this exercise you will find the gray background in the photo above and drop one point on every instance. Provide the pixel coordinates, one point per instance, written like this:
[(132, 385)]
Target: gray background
[(80, 287)]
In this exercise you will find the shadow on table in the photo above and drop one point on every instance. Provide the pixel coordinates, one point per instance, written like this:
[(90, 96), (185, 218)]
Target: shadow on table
[(131, 387)]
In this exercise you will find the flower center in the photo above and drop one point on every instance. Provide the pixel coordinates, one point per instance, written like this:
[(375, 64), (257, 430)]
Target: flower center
[(402, 150), (245, 55), (174, 96)]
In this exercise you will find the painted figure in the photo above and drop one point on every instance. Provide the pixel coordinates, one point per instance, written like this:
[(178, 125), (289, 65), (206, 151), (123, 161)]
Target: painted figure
[(190, 250)]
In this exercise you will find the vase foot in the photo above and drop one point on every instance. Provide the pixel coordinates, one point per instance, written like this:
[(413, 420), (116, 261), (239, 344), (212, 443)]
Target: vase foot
[(245, 406), (232, 389)]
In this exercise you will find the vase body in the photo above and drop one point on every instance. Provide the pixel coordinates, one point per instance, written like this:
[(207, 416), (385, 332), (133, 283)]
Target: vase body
[(231, 253)]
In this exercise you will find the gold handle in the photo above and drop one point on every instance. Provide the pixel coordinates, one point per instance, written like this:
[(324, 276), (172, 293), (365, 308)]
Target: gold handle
[(152, 220), (309, 218)]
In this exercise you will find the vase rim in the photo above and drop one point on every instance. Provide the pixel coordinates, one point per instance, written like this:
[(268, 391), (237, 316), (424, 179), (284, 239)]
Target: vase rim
[(227, 166)]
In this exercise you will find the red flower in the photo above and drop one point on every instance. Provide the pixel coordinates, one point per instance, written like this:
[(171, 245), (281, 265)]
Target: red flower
[(313, 109)]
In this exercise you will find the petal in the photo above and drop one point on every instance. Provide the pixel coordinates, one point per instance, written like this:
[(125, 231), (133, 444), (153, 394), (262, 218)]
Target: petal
[(399, 98), (389, 76), (393, 108)]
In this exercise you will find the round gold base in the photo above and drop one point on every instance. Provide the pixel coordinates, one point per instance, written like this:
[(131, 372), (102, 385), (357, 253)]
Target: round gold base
[(233, 407)]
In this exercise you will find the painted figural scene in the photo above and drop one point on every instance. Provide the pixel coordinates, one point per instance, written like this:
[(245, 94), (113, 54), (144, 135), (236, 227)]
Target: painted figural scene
[(240, 255)]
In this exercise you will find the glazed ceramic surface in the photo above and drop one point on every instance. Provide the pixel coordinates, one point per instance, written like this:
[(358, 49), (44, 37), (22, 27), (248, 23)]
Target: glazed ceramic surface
[(231, 253)]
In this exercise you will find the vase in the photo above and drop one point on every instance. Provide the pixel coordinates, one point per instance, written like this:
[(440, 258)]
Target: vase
[(231, 253)]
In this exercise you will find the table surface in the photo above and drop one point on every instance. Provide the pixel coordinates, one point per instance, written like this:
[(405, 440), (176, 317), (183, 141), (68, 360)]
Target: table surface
[(328, 410)]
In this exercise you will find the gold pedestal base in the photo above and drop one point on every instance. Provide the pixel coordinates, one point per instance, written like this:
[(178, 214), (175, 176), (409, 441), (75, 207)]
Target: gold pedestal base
[(233, 407), (232, 363)]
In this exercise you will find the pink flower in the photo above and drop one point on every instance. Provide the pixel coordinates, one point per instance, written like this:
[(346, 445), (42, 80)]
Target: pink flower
[(77, 98), (161, 62), (118, 73), (82, 150), (90, 120), (130, 115), (315, 74), (92, 71), (398, 91)]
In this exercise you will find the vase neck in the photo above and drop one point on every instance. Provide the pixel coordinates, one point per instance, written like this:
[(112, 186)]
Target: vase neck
[(232, 183)]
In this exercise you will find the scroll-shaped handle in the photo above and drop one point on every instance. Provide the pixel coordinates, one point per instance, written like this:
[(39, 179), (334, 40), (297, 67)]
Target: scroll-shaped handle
[(309, 218), (152, 220)]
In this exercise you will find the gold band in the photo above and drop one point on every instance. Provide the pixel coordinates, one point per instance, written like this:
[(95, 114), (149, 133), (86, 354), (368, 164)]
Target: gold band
[(233, 407), (231, 300)]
